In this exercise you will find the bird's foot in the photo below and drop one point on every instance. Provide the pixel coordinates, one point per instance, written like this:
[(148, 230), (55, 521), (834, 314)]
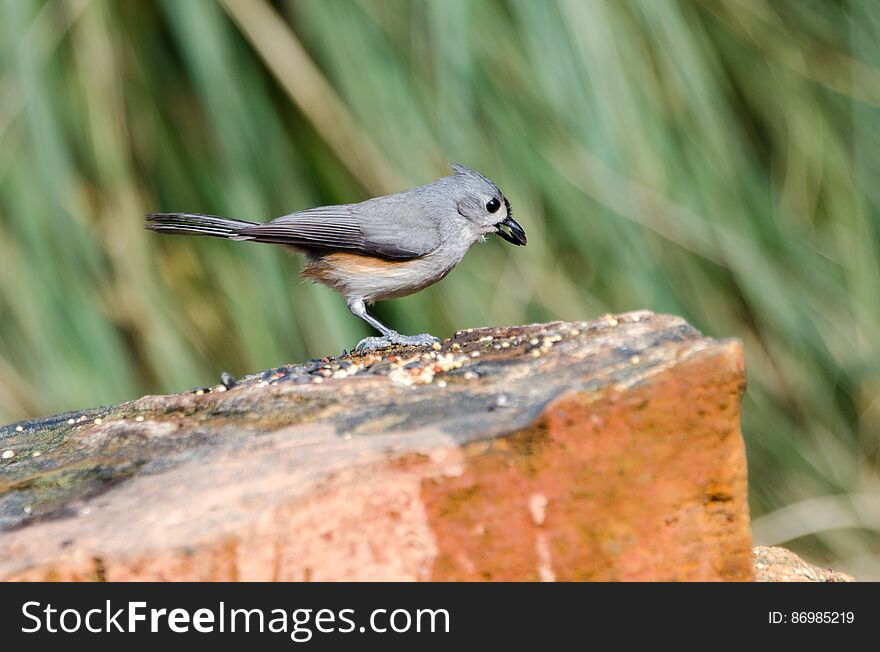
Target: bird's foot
[(374, 343)]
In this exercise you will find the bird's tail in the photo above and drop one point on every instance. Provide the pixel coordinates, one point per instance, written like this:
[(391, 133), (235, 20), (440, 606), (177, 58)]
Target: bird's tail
[(195, 224)]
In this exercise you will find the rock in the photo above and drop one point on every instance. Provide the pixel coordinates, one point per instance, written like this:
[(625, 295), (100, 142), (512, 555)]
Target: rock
[(781, 565), (603, 450)]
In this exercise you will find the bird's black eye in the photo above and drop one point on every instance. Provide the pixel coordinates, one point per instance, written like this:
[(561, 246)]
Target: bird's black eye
[(493, 205)]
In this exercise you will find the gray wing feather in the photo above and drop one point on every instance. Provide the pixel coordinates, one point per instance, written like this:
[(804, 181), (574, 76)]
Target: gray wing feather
[(385, 231)]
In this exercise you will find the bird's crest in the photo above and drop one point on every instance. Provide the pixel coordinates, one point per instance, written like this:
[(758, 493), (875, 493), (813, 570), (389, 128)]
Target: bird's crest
[(466, 171)]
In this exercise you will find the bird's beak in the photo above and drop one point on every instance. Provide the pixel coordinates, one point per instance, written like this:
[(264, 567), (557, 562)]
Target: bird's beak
[(514, 233)]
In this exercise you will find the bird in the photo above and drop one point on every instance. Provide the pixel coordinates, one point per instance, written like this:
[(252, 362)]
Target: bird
[(382, 248)]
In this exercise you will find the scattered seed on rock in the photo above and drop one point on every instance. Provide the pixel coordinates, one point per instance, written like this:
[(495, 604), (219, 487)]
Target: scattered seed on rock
[(436, 346), (70, 422), (98, 422), (19, 429), (7, 455), (471, 375), (36, 453), (139, 418)]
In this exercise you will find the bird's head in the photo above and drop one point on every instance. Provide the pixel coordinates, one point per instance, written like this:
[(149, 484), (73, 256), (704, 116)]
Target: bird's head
[(484, 206)]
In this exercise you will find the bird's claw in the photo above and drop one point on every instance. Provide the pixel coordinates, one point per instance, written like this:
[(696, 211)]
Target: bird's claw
[(386, 341)]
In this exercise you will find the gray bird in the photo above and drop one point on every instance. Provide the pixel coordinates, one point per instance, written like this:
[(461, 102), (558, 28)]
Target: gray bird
[(381, 248)]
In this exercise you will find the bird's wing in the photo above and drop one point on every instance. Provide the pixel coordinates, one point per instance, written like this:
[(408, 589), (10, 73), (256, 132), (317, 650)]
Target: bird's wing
[(350, 227)]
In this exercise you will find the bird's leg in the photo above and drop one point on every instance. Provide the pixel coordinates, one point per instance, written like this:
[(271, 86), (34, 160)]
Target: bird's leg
[(389, 337)]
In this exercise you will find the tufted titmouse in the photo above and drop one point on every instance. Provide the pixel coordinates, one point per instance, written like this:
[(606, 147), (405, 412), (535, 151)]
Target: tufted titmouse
[(379, 249)]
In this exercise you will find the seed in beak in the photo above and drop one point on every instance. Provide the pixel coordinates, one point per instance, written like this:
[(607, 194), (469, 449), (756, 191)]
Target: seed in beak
[(511, 231)]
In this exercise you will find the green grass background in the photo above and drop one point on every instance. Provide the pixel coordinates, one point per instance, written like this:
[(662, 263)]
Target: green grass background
[(717, 160)]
